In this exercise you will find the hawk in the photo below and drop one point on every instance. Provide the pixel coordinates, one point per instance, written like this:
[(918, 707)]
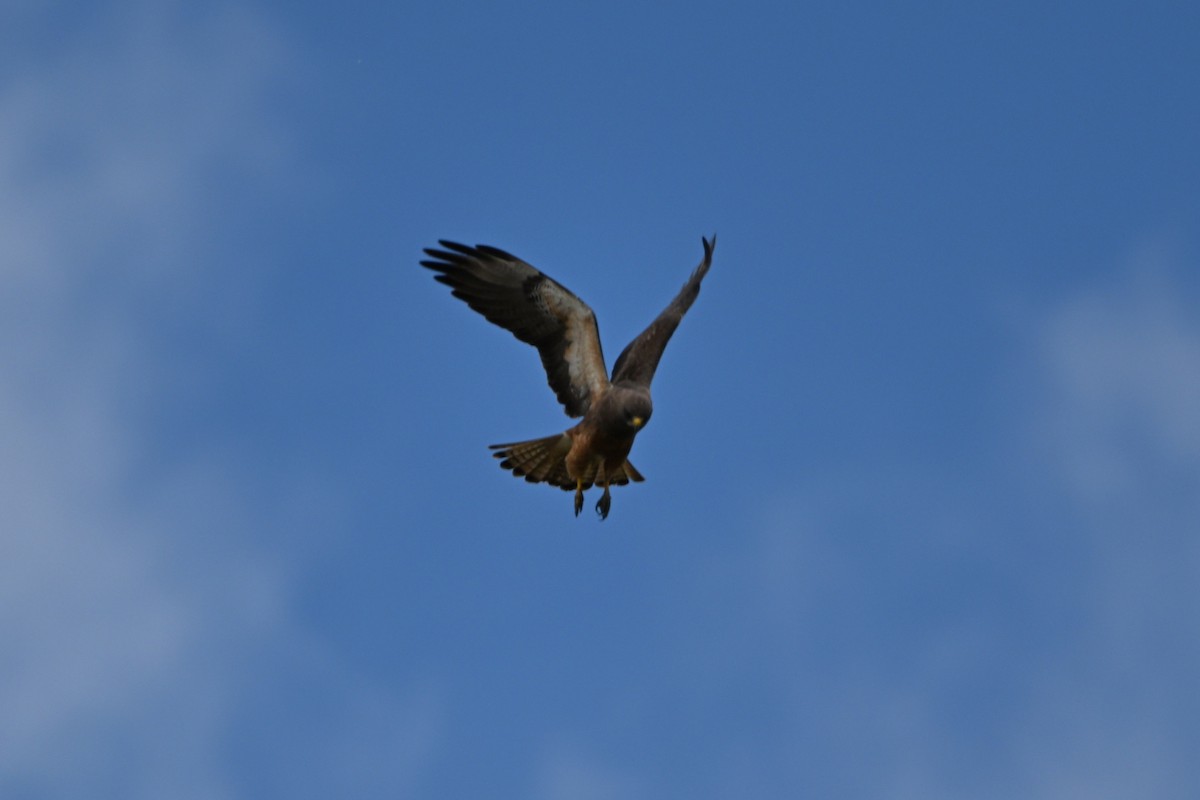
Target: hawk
[(542, 312)]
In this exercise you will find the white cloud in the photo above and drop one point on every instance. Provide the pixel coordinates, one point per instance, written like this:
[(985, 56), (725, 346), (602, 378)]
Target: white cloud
[(1119, 432), (568, 772), (137, 614), (1125, 381), (1024, 625)]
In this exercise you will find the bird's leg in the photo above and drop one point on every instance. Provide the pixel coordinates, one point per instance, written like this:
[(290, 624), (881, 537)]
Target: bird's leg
[(578, 496), (604, 503)]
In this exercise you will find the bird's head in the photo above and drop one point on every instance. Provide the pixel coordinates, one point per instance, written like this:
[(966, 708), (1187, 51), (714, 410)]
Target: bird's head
[(635, 409)]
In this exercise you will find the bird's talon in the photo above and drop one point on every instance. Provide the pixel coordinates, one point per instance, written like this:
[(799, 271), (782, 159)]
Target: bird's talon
[(603, 505)]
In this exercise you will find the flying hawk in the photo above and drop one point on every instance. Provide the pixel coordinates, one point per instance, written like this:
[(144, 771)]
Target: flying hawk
[(542, 312)]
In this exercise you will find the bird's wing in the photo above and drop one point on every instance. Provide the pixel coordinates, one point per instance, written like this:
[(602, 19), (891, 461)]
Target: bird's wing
[(639, 359), (536, 309)]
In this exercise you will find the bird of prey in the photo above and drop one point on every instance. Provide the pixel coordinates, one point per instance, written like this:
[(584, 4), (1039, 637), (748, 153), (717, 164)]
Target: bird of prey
[(542, 312)]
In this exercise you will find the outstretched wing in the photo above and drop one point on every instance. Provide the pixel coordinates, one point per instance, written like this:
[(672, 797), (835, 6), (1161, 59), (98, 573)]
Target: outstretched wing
[(537, 309), (639, 359)]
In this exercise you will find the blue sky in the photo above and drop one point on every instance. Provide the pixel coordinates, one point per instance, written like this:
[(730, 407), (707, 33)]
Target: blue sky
[(922, 495)]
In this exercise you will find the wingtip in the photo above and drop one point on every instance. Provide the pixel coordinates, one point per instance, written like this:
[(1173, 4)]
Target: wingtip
[(457, 252), (464, 249), (496, 252), (709, 245)]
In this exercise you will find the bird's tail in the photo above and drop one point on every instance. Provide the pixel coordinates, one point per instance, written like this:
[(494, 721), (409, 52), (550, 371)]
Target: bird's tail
[(538, 460), (545, 461)]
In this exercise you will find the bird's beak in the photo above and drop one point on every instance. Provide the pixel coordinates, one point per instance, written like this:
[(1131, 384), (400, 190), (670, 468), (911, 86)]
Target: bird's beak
[(638, 422)]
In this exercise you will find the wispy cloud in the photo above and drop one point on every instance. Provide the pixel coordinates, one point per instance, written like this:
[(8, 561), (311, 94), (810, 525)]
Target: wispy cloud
[(567, 772), (1125, 387), (1025, 624), (1118, 432), (142, 624)]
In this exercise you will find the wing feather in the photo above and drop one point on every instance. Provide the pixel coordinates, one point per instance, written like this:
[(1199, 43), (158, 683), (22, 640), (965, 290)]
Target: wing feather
[(639, 359), (533, 307)]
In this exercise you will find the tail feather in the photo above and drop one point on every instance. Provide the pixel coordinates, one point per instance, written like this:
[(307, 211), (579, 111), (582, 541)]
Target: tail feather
[(543, 465), (537, 460), (544, 461), (624, 474)]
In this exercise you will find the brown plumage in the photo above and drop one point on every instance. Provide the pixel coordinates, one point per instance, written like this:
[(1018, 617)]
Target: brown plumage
[(542, 312)]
